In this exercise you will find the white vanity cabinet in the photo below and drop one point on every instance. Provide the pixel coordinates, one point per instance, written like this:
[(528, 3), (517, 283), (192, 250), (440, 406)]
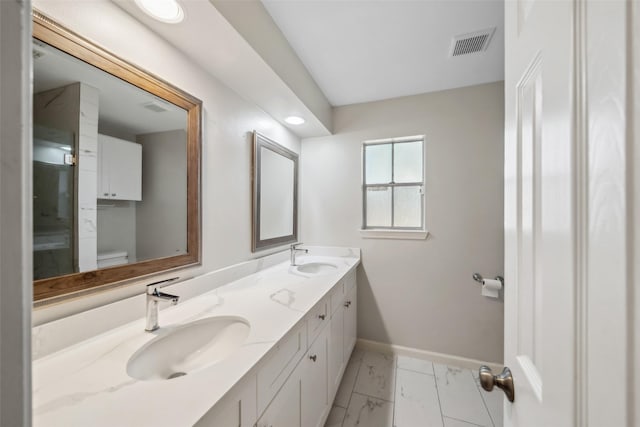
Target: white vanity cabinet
[(286, 408), (315, 401), (306, 397), (236, 409), (285, 374), (119, 169), (282, 360), (336, 350), (350, 315)]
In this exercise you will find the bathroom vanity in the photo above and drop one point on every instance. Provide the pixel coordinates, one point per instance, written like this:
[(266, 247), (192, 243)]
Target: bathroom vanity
[(278, 365)]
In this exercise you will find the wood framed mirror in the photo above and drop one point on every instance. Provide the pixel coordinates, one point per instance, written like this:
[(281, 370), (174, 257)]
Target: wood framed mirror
[(275, 194), (116, 168)]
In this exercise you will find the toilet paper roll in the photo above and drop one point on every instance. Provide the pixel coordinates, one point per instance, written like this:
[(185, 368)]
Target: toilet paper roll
[(491, 288)]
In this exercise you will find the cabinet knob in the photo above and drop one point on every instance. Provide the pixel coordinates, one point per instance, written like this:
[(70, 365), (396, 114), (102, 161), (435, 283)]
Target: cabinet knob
[(113, 194), (314, 357), (322, 316), (106, 194), (347, 304)]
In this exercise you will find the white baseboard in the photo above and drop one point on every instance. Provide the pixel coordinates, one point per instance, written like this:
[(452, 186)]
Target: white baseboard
[(445, 359)]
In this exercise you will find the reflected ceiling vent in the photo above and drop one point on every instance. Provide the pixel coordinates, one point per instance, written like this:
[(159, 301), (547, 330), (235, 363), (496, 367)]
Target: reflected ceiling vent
[(38, 50), (37, 54), (466, 44), (155, 106)]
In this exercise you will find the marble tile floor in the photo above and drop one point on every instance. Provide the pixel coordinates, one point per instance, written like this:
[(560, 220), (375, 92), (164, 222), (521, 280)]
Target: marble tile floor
[(380, 390)]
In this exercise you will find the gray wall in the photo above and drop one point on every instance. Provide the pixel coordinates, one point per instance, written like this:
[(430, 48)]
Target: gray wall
[(419, 293), (15, 213), (116, 226), (164, 195)]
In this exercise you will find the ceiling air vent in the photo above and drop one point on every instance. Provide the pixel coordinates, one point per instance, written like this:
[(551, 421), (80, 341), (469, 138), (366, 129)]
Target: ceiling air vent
[(38, 50), (155, 106), (37, 54), (478, 41)]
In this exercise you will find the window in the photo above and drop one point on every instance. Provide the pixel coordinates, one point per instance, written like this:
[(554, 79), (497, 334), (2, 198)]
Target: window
[(393, 186)]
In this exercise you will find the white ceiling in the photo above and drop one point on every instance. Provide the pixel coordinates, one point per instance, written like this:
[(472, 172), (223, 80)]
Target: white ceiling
[(121, 108), (214, 44), (363, 50)]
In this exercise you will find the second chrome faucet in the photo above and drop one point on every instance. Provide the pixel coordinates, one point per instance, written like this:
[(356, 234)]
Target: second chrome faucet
[(154, 296), (294, 250)]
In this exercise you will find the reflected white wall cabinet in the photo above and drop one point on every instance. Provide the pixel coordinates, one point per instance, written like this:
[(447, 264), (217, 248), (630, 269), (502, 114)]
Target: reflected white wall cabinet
[(119, 169)]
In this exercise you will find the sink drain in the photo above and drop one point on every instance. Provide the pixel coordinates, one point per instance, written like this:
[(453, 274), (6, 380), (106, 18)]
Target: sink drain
[(176, 375)]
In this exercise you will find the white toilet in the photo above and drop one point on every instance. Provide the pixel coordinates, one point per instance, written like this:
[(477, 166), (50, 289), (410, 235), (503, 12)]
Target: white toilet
[(110, 259)]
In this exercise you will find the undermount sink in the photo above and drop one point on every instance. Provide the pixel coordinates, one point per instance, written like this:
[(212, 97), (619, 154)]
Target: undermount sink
[(188, 347), (317, 268)]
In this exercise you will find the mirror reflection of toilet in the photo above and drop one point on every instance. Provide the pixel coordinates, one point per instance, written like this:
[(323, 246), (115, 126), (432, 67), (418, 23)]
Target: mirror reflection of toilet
[(110, 259)]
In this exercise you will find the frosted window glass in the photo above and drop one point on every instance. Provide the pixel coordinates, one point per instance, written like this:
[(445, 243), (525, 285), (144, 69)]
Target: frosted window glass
[(379, 207), (407, 162), (378, 164), (407, 206)]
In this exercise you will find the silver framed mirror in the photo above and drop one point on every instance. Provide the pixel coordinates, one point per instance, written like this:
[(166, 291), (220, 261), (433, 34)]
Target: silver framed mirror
[(275, 194)]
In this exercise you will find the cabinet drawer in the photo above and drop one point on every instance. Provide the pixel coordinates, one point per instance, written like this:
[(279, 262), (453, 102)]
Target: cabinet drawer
[(316, 319), (279, 364), (337, 297)]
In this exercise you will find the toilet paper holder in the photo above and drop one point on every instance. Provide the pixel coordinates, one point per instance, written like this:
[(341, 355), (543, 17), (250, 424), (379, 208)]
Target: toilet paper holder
[(478, 278)]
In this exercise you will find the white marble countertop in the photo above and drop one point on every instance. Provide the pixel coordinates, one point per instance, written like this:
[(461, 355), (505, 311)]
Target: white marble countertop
[(87, 383)]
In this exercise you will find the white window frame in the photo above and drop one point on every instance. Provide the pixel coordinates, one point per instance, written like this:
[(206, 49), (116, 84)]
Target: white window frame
[(393, 232)]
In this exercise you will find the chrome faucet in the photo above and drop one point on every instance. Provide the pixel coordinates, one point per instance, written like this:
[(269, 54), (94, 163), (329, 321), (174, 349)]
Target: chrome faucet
[(154, 296), (294, 250)]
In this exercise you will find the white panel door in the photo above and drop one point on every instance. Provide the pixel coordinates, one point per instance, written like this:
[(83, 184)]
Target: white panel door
[(539, 217)]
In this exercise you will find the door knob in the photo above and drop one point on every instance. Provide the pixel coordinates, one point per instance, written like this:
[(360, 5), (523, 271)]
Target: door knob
[(503, 381)]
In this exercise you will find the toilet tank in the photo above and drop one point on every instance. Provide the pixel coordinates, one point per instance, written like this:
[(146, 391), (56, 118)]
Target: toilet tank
[(110, 259)]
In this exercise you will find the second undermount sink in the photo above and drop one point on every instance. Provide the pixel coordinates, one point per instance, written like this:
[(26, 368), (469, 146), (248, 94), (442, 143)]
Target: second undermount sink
[(317, 268), (188, 347)]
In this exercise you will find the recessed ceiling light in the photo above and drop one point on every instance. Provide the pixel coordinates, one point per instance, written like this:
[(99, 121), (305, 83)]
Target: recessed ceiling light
[(168, 11), (294, 120)]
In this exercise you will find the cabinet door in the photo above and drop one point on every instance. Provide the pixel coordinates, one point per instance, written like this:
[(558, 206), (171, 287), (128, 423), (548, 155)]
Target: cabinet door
[(119, 169), (103, 169), (315, 389), (285, 408), (350, 322), (125, 170), (336, 351), (281, 362)]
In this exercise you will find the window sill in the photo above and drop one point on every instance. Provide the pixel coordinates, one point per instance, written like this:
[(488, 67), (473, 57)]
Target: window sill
[(394, 234)]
